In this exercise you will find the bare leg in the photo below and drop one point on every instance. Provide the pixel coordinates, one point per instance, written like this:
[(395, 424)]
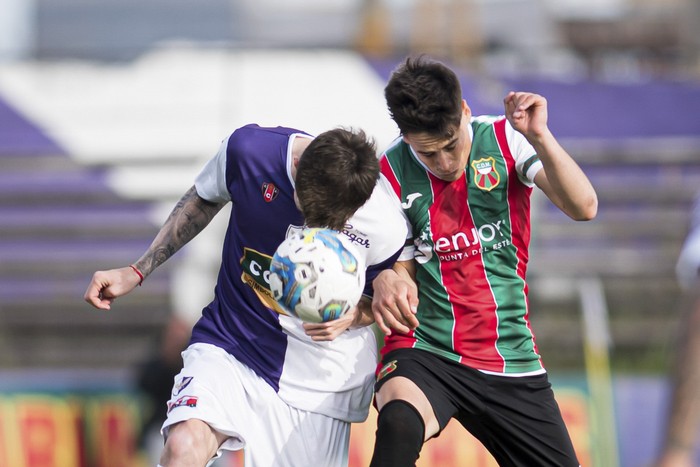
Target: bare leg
[(190, 443)]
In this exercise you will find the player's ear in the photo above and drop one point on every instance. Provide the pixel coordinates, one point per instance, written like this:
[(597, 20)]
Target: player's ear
[(466, 110)]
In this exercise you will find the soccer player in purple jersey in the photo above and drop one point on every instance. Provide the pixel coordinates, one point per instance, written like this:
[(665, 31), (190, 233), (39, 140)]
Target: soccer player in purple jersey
[(254, 378), (454, 308)]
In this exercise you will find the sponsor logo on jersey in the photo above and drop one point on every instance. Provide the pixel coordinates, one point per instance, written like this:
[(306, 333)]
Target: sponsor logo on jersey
[(355, 236), (410, 199), (256, 275), (182, 384), (386, 369), (486, 233), (462, 245), (269, 191), (485, 175), (184, 401)]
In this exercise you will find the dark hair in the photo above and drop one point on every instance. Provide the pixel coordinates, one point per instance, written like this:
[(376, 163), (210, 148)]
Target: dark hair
[(335, 175), (424, 96)]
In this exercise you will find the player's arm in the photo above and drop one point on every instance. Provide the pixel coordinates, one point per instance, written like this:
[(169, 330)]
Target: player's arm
[(395, 298), (562, 180), (188, 218), (358, 317)]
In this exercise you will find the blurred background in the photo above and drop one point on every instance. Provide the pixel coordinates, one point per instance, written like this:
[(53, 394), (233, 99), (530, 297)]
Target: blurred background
[(109, 108)]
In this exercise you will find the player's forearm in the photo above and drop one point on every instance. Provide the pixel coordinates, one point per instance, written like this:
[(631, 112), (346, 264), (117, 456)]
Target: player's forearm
[(188, 218), (570, 188), (364, 316), (406, 270)]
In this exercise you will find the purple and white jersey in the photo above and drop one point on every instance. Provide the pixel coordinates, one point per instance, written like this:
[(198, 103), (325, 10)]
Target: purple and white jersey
[(253, 170)]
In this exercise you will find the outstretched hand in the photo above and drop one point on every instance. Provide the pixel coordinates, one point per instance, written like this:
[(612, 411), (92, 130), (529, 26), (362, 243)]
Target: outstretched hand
[(106, 286)]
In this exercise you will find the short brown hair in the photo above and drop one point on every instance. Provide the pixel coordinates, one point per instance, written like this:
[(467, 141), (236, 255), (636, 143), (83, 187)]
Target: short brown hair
[(424, 95), (336, 174)]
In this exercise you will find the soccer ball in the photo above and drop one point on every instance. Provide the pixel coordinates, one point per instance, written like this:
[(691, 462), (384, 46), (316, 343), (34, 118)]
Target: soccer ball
[(317, 275)]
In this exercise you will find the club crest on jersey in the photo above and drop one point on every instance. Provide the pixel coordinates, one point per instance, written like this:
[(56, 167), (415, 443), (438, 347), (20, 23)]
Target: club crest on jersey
[(182, 384), (386, 369), (485, 175), (269, 191)]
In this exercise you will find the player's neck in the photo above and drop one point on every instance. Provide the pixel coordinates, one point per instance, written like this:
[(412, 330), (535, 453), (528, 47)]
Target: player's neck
[(298, 147)]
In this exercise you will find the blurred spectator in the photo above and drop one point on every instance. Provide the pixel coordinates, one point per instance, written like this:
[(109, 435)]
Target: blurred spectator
[(680, 447), (155, 378)]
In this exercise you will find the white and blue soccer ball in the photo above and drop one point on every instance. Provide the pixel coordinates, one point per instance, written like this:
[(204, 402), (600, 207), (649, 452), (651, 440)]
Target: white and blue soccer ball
[(317, 275)]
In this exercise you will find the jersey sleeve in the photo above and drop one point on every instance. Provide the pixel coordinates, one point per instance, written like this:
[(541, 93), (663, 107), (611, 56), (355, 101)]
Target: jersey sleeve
[(527, 164), (210, 183), (373, 271), (381, 229)]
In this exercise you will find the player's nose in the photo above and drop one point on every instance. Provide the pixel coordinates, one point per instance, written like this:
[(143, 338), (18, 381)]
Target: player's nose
[(443, 162)]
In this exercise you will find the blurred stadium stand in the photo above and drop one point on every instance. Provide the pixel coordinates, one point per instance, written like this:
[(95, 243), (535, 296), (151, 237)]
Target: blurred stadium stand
[(60, 220)]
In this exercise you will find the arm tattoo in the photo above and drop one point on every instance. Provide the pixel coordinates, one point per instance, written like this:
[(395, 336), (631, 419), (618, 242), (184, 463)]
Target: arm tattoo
[(188, 218)]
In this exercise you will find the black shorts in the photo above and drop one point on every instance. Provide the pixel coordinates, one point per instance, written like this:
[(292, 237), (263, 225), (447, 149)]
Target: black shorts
[(515, 418)]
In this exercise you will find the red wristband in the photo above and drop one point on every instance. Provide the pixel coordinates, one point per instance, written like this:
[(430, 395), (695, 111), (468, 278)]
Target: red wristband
[(137, 272)]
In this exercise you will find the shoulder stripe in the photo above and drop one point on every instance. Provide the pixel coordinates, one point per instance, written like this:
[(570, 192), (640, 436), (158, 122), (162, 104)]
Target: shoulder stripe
[(499, 128), (529, 163), (388, 172)]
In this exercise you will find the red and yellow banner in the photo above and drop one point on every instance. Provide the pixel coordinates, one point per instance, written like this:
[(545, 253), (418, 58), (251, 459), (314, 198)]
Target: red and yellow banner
[(45, 430)]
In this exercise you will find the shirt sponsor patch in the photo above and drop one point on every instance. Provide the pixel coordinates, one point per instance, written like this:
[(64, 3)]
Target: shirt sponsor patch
[(184, 401)]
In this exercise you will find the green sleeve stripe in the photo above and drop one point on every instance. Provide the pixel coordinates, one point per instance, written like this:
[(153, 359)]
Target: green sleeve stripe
[(528, 163)]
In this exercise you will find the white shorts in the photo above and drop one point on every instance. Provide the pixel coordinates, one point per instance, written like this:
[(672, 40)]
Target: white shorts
[(216, 388)]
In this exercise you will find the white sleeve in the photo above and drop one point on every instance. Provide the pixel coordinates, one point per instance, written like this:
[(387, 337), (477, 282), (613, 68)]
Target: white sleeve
[(526, 162), (211, 181)]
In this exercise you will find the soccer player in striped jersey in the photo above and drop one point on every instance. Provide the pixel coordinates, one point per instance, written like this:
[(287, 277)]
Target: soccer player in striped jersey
[(454, 308), (254, 378)]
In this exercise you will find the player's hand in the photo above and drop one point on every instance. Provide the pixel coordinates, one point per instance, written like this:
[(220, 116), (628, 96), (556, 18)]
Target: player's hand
[(106, 286), (527, 113), (395, 303), (330, 329)]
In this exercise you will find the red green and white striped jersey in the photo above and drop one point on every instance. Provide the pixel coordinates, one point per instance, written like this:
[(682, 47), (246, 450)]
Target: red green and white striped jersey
[(470, 242)]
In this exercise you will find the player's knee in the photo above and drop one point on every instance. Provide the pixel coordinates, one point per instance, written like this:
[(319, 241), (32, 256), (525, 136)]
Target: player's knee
[(188, 443), (399, 438)]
